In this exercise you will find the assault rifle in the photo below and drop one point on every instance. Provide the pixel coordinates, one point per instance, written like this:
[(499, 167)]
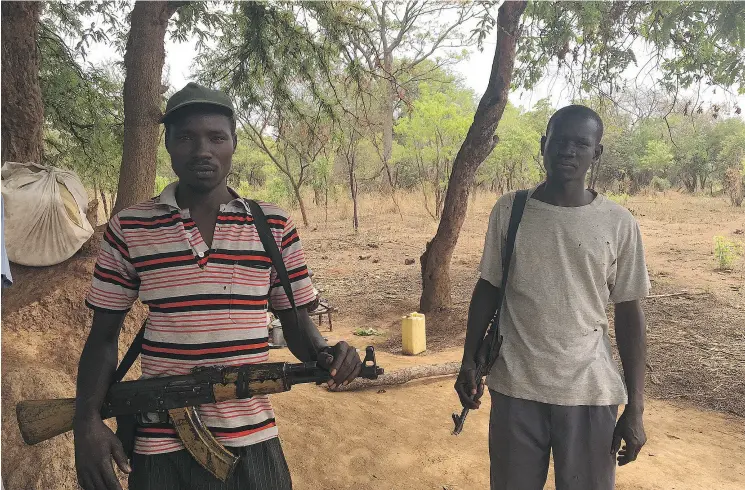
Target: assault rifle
[(174, 398)]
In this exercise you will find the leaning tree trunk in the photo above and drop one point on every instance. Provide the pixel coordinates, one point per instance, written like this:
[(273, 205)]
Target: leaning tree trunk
[(143, 62), (22, 109), (299, 197), (479, 142)]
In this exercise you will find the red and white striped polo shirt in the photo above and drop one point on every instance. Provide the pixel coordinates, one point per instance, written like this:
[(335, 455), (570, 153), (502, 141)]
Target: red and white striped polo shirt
[(208, 306)]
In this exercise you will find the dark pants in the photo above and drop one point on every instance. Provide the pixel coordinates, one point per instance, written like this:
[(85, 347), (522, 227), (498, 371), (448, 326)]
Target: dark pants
[(261, 466), (523, 433)]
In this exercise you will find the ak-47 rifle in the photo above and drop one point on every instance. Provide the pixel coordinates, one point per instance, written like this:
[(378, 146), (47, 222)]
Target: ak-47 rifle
[(492, 342), (177, 397)]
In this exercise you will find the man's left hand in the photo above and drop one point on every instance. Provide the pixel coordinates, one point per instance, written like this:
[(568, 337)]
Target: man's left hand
[(343, 363), (630, 428)]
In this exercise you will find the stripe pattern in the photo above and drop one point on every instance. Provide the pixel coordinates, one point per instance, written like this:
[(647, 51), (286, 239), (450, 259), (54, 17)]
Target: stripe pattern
[(208, 306)]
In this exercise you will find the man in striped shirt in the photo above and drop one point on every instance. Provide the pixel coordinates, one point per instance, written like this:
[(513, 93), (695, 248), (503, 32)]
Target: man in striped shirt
[(193, 255)]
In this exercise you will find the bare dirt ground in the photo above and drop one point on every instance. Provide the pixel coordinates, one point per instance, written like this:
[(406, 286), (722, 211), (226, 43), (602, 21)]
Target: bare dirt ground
[(398, 438)]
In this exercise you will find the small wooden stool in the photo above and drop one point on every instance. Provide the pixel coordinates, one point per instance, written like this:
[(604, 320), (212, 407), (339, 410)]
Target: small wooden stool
[(324, 308)]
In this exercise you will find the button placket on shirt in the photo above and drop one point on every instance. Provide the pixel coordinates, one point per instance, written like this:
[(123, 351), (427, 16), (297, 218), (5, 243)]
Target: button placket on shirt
[(191, 237)]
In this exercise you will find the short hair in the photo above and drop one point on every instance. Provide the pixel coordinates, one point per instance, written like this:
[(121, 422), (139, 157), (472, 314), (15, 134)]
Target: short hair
[(192, 109), (579, 111)]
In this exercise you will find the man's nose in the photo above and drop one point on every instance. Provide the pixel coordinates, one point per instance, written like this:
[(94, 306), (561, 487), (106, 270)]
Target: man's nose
[(202, 148), (567, 150)]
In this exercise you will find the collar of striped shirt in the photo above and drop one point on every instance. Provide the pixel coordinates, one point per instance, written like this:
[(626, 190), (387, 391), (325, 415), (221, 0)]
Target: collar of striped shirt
[(168, 198)]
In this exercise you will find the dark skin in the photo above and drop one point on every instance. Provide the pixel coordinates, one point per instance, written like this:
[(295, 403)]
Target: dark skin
[(201, 146), (570, 147)]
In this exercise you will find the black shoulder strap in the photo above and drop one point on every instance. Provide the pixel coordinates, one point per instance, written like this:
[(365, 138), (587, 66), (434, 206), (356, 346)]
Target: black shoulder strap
[(518, 206), (131, 355), (516, 215), (270, 245)]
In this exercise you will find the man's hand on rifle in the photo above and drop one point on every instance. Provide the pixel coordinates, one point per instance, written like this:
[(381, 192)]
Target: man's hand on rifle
[(478, 346), (469, 389), (343, 363), (95, 446)]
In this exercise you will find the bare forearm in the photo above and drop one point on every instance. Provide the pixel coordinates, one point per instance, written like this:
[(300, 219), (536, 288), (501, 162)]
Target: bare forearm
[(302, 337), (483, 305), (97, 365), (631, 338)]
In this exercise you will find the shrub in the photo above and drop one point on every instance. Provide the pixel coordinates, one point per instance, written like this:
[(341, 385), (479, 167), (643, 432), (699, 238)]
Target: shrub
[(659, 184), (726, 252)]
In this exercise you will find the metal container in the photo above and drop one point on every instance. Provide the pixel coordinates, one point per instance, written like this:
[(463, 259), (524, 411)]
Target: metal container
[(277, 336)]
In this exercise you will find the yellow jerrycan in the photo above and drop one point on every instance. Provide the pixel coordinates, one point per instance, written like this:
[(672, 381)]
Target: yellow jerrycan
[(413, 334)]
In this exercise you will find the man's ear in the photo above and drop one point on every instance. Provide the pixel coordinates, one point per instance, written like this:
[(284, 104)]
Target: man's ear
[(235, 142), (543, 144), (598, 151)]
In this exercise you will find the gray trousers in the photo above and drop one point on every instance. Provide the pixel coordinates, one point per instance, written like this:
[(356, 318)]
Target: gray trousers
[(523, 433), (261, 466)]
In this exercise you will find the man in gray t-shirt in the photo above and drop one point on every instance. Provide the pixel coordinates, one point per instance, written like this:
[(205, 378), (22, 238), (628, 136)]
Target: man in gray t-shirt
[(555, 386)]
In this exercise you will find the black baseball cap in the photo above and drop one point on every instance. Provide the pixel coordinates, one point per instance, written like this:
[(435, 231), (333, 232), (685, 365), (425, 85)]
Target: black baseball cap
[(194, 94)]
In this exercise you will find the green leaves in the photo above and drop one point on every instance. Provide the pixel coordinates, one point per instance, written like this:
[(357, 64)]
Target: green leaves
[(592, 43), (432, 133), (516, 161), (657, 157), (66, 20), (271, 50), (83, 107)]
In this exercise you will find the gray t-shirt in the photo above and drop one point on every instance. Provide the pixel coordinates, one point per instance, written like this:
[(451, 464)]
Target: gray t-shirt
[(567, 264)]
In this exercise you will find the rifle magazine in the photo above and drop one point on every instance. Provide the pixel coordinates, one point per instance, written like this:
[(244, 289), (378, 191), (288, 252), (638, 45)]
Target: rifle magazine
[(201, 444)]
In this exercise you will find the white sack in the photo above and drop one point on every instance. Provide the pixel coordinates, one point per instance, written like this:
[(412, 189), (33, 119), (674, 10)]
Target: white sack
[(45, 207)]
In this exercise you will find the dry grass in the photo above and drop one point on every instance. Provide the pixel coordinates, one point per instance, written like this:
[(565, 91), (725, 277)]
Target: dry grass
[(697, 352)]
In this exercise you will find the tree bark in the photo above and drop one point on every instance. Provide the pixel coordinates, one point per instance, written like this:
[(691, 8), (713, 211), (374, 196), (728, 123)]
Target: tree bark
[(105, 205), (143, 62), (22, 108), (403, 376), (350, 157), (479, 142), (326, 204), (112, 200), (355, 218), (299, 197)]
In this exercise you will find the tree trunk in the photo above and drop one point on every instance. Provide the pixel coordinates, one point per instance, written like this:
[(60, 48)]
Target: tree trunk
[(299, 197), (389, 107), (351, 165), (143, 62), (105, 204), (112, 200), (22, 109), (479, 142), (326, 204), (355, 218), (317, 196)]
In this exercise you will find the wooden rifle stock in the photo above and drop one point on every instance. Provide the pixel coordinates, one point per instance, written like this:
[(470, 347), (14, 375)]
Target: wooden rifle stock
[(40, 420)]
